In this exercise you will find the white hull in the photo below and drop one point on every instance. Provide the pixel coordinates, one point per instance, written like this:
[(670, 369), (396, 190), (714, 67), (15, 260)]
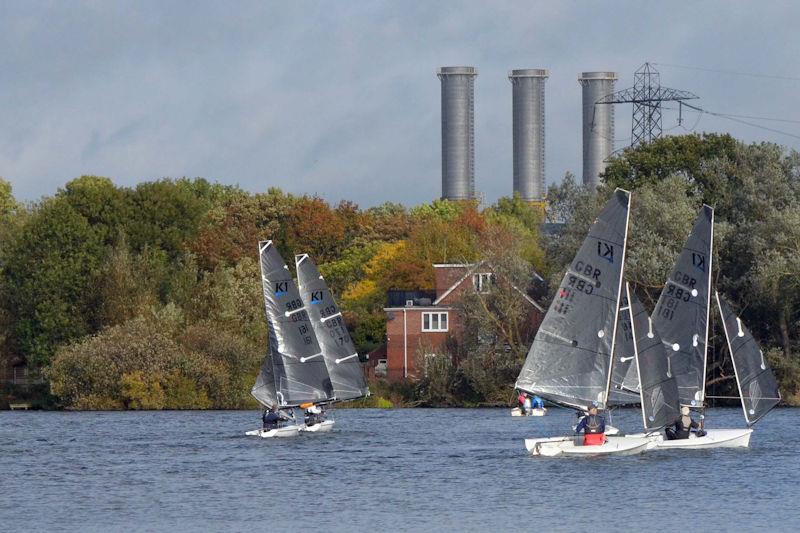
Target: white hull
[(714, 438), (572, 446), (323, 427), (286, 431), (533, 412)]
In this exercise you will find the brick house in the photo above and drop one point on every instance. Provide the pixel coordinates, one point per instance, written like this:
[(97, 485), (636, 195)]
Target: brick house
[(427, 318)]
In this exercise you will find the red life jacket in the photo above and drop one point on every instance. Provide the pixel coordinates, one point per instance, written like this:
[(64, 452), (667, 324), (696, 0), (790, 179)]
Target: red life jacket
[(594, 439)]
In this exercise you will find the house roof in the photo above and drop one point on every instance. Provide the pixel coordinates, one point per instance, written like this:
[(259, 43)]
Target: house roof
[(471, 268)]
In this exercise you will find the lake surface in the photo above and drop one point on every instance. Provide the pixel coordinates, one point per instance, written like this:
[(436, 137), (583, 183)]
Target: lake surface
[(380, 470)]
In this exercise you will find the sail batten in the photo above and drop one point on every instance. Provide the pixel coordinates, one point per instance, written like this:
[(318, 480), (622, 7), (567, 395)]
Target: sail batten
[(758, 388), (293, 371), (336, 346), (682, 310), (569, 362)]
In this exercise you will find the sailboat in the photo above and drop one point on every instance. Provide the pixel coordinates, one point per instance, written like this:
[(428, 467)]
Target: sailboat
[(293, 371), (681, 316), (338, 351), (570, 360)]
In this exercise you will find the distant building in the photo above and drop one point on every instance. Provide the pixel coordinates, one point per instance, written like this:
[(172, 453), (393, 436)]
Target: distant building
[(427, 317)]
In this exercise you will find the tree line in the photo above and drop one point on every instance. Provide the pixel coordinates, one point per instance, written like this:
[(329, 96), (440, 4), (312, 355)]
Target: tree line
[(149, 297)]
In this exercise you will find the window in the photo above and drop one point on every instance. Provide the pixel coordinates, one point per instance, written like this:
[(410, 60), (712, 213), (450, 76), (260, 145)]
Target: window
[(434, 321), (483, 281)]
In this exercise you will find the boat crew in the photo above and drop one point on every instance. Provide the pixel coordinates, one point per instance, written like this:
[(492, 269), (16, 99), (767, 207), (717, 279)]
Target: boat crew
[(521, 401), (537, 403), (313, 415), (593, 426), (683, 426), (273, 418)]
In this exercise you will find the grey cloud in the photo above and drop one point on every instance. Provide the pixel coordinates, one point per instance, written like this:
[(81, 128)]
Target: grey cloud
[(341, 99)]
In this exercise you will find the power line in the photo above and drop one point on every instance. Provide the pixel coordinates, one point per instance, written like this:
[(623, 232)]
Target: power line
[(731, 72), (735, 118)]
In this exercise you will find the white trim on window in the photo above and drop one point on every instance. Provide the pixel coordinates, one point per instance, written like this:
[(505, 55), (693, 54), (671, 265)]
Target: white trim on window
[(483, 281), (437, 321)]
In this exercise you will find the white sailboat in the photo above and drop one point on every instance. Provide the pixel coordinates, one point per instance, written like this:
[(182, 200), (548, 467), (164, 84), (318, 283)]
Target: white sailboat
[(682, 318), (338, 351), (293, 372), (570, 360)]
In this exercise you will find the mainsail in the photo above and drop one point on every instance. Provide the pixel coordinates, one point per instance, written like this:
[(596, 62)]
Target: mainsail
[(622, 392), (757, 385), (337, 347), (681, 314), (294, 358), (658, 387), (570, 360)]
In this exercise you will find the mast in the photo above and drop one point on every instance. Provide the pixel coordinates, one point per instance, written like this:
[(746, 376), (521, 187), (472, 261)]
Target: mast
[(338, 350), (569, 362), (708, 305), (758, 389), (619, 296)]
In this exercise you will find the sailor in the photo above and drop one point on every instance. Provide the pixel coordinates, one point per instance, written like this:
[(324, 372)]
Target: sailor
[(537, 403), (526, 406), (593, 426), (313, 415), (521, 400), (683, 426), (273, 418)]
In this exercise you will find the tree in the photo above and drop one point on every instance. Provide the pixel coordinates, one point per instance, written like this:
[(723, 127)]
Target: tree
[(50, 275)]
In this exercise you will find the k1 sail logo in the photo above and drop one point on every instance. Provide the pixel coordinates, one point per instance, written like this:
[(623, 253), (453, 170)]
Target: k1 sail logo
[(281, 288), (606, 251), (699, 261), (316, 297)]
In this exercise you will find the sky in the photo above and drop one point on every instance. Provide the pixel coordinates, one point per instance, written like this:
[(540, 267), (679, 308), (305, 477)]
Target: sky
[(341, 99)]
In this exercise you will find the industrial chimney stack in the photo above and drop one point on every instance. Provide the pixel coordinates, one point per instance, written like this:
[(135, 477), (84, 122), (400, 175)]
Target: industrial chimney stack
[(458, 132), (528, 129), (598, 124)]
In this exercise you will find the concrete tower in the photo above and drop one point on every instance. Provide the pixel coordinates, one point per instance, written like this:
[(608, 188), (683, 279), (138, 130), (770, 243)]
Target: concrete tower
[(458, 132), (598, 124), (528, 129)]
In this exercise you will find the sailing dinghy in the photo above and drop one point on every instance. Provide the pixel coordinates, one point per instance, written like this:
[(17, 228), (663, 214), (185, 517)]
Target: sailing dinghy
[(681, 317), (293, 372), (569, 362), (338, 351)]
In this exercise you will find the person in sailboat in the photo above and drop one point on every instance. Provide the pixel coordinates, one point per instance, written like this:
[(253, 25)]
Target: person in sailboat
[(314, 415), (273, 418), (593, 426), (523, 396), (537, 403), (683, 426)]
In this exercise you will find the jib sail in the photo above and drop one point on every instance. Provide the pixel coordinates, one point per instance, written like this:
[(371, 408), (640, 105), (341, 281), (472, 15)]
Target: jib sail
[(658, 388), (757, 385)]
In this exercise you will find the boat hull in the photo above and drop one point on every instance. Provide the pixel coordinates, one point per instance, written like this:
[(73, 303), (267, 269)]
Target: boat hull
[(533, 412), (573, 446), (286, 431), (323, 427), (714, 438)]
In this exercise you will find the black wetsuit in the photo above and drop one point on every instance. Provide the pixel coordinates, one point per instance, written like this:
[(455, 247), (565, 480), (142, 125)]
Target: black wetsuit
[(682, 428), (273, 420)]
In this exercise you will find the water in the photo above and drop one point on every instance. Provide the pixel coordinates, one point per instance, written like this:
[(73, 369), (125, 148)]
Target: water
[(413, 469)]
